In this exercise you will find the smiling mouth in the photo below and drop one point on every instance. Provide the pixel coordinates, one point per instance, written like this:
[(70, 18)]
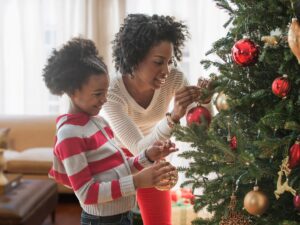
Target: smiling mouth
[(161, 80)]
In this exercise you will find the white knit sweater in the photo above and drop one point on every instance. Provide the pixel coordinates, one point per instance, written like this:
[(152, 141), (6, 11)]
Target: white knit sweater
[(134, 126)]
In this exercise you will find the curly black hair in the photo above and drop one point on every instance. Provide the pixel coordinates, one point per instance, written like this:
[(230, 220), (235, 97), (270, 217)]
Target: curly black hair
[(140, 33), (70, 67)]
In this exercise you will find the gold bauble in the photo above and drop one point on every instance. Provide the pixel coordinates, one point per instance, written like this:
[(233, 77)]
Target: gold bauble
[(221, 102), (294, 38), (256, 202), (172, 181)]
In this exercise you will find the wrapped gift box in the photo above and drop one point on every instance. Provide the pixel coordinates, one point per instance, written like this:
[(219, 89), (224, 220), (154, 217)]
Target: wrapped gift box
[(182, 208), (183, 214)]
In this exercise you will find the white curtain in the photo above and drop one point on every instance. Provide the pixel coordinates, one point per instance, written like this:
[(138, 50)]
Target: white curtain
[(103, 18), (30, 29)]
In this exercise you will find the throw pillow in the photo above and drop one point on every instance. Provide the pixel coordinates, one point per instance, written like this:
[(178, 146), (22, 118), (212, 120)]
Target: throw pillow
[(4, 137)]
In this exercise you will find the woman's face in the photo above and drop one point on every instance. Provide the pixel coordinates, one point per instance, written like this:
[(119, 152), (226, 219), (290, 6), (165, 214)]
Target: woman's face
[(155, 68), (92, 95)]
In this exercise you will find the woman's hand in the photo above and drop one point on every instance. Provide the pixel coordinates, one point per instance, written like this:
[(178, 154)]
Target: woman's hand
[(205, 84), (183, 98), (160, 149)]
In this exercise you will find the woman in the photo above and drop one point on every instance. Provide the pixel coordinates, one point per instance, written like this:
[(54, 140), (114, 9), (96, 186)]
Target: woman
[(144, 51)]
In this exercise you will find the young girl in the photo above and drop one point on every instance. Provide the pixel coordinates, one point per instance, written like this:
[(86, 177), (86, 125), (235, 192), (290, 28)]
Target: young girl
[(86, 157)]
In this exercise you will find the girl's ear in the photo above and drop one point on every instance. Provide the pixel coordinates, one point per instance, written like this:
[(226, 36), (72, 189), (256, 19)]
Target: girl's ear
[(73, 95)]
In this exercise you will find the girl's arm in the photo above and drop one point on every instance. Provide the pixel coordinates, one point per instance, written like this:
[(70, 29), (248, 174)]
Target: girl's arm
[(72, 169), (139, 162)]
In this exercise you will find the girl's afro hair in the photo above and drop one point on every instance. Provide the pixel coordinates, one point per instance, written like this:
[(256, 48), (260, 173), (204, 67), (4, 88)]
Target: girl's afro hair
[(70, 67)]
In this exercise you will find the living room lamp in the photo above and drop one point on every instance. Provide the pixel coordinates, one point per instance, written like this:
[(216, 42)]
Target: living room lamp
[(3, 145), (3, 179)]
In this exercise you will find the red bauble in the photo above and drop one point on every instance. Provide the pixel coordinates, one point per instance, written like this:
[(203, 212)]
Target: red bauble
[(281, 86), (196, 114), (233, 143), (245, 52), (294, 154), (296, 202)]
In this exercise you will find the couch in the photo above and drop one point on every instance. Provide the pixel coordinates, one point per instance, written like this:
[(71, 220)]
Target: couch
[(29, 146)]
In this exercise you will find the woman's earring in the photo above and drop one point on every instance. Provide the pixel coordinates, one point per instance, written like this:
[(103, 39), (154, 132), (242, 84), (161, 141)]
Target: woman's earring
[(131, 73), (175, 63)]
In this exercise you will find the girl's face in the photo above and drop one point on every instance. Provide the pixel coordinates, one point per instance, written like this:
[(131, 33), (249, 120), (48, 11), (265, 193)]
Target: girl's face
[(91, 96), (155, 68)]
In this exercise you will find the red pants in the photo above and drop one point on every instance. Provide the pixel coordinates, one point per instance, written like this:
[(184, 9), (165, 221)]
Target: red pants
[(155, 206)]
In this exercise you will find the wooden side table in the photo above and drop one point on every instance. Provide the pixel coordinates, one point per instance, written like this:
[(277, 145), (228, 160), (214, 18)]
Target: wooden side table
[(29, 203)]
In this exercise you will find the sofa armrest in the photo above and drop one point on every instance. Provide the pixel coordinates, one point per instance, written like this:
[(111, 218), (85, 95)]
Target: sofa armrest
[(29, 131)]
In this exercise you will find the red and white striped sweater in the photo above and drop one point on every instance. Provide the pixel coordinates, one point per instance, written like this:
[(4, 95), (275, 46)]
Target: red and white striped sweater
[(87, 160)]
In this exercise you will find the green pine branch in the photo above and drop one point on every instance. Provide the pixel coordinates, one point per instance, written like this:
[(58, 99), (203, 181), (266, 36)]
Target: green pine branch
[(265, 125)]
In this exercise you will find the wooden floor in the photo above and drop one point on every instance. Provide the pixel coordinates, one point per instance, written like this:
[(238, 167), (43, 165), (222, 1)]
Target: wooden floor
[(67, 211)]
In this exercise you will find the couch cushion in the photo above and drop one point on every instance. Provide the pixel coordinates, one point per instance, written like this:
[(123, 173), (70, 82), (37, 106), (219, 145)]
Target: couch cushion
[(10, 154), (31, 161)]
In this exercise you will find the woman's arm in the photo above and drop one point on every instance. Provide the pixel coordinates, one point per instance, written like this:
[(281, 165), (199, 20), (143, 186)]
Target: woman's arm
[(128, 132)]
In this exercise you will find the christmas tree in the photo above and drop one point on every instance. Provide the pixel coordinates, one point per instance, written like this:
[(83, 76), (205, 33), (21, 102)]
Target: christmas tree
[(247, 158)]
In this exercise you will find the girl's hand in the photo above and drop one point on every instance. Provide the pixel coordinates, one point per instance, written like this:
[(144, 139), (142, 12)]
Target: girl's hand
[(156, 175), (160, 149)]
